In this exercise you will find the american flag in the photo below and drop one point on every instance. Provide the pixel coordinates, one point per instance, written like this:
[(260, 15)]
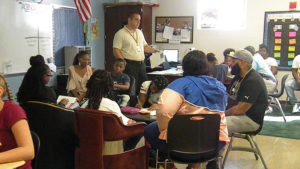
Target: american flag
[(84, 9)]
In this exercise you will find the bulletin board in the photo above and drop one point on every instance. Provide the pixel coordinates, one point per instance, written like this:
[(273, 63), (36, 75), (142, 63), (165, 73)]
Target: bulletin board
[(282, 36), (174, 30)]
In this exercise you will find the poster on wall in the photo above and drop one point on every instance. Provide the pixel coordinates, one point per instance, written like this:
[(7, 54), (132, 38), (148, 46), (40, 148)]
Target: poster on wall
[(95, 28)]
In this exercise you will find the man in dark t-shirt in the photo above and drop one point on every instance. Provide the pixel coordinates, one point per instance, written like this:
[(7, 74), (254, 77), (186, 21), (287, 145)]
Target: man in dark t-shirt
[(247, 96)]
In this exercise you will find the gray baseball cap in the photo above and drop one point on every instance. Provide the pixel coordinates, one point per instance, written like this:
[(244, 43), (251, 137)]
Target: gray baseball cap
[(243, 55)]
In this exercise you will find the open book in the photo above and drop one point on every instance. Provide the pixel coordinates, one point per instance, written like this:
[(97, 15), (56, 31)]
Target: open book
[(72, 101)]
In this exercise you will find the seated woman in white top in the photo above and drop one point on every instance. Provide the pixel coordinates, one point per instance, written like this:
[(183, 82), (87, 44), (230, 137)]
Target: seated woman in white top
[(79, 73), (99, 95)]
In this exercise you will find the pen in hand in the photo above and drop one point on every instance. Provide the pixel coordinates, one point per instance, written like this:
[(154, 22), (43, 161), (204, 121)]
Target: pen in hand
[(138, 99), (139, 103)]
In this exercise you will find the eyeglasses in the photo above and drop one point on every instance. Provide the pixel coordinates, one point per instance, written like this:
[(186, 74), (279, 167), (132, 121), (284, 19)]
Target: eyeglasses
[(49, 75)]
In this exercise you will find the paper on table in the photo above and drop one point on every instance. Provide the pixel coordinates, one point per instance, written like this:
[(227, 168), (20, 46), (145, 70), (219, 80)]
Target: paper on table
[(156, 59), (146, 111), (71, 100), (168, 32), (11, 165)]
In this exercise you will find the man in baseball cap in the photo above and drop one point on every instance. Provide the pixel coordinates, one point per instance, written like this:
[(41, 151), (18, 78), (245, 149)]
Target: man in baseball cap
[(247, 95)]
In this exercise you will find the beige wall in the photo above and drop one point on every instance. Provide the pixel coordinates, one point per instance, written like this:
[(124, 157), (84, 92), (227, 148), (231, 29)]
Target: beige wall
[(217, 40)]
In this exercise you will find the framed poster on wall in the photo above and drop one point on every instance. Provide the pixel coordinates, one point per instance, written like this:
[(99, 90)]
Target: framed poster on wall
[(282, 36), (174, 29)]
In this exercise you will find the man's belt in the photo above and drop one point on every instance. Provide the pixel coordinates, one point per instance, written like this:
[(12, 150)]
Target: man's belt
[(134, 61)]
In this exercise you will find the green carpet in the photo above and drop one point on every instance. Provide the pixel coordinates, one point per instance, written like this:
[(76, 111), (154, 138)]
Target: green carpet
[(274, 124)]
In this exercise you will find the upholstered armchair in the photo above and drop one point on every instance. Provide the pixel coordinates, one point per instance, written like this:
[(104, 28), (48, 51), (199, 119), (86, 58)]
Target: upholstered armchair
[(94, 128)]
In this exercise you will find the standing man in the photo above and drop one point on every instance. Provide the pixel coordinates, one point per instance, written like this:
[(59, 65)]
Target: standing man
[(294, 83), (247, 96), (129, 44)]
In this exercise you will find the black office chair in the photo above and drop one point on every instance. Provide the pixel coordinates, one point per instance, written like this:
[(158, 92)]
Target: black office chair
[(193, 135), (254, 147), (36, 144), (275, 96)]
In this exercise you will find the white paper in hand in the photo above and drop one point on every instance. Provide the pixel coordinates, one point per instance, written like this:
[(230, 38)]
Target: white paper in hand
[(156, 59)]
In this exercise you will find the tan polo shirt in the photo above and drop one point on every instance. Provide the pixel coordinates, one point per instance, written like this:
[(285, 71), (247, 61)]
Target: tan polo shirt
[(130, 44)]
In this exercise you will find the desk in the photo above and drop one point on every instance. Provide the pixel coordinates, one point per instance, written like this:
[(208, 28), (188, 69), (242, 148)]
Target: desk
[(12, 165), (147, 118), (171, 74)]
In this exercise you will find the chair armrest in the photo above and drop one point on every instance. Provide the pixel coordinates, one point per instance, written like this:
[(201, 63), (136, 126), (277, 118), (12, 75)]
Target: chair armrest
[(123, 132), (136, 128)]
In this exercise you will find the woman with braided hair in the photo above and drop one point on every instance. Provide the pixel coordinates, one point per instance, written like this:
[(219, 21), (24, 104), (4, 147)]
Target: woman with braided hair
[(15, 138), (33, 87), (99, 95), (150, 92)]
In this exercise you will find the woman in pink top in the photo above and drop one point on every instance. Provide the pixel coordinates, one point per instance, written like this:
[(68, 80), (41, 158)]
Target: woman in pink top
[(195, 93), (79, 73), (15, 138)]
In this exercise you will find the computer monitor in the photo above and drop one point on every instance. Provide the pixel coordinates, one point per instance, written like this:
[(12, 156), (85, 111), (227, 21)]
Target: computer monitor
[(171, 55)]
